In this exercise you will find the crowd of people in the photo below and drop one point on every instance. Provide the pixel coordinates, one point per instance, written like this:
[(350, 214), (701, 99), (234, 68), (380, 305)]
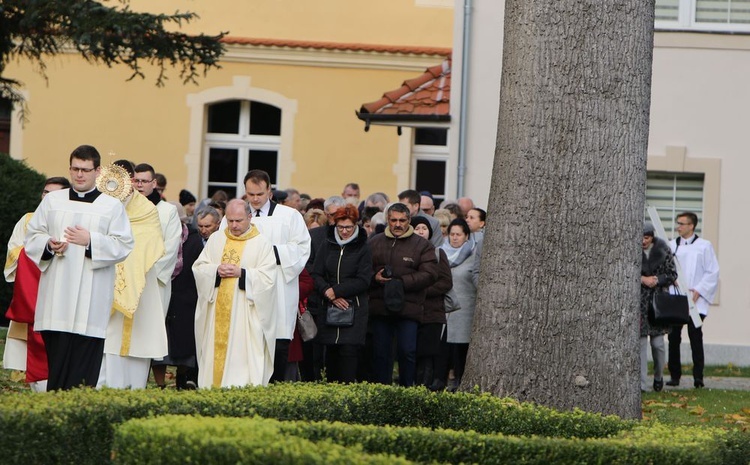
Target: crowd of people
[(113, 282)]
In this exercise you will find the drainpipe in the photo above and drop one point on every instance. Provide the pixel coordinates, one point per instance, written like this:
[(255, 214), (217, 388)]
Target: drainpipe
[(464, 99)]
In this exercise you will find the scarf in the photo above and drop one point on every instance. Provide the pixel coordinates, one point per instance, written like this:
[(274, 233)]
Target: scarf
[(457, 255), (343, 242), (408, 233)]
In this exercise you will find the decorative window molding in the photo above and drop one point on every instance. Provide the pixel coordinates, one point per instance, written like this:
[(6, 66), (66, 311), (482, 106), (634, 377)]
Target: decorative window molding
[(241, 89), (676, 161)]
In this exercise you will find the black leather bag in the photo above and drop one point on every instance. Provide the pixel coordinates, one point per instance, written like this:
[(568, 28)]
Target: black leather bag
[(671, 309), (393, 295), (338, 317)]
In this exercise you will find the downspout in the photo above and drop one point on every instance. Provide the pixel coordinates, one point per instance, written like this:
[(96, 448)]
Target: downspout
[(464, 98)]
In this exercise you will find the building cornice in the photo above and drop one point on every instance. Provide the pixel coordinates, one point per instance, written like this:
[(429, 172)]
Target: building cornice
[(332, 54)]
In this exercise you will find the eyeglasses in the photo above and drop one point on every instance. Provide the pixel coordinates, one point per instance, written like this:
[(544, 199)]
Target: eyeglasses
[(142, 181), (344, 228), (77, 170)]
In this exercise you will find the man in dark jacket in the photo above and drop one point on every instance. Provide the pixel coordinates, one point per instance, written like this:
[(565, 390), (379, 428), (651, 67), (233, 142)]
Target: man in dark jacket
[(404, 266)]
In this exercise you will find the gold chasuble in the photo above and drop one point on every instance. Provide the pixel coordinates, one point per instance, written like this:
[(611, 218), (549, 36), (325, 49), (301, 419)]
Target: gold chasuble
[(232, 254), (131, 273)]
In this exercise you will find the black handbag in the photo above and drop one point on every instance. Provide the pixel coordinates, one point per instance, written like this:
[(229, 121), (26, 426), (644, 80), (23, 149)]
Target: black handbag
[(338, 317), (671, 309)]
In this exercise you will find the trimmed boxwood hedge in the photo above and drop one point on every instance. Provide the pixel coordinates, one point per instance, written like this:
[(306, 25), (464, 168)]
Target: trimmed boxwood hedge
[(78, 426), (186, 439)]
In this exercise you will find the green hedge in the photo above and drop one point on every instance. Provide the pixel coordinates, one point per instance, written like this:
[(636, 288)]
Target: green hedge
[(78, 426), (181, 439)]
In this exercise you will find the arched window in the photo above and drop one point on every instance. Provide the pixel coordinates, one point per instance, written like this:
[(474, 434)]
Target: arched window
[(241, 135)]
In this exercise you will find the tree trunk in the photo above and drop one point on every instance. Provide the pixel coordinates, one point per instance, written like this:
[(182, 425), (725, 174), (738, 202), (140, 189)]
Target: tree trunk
[(558, 304)]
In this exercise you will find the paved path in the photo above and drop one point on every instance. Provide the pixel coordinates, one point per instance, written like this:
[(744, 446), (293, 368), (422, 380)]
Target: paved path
[(712, 382)]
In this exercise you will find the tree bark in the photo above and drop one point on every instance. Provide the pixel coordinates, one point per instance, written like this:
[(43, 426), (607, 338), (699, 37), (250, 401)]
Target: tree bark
[(558, 303)]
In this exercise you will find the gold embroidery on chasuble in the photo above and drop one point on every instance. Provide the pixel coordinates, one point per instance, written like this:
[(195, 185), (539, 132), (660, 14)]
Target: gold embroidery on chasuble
[(232, 254), (130, 275)]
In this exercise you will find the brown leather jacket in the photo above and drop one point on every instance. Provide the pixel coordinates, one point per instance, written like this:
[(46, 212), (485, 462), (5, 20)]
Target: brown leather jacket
[(413, 261)]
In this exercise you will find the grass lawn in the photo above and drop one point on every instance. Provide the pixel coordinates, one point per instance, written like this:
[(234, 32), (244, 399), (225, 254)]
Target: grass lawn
[(714, 407), (726, 409)]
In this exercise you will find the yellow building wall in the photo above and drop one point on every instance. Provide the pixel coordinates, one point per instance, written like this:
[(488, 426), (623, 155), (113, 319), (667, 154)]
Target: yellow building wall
[(84, 104), (392, 22)]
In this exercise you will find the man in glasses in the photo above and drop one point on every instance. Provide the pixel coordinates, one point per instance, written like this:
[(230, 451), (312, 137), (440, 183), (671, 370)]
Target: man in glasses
[(700, 277), (144, 181), (76, 237)]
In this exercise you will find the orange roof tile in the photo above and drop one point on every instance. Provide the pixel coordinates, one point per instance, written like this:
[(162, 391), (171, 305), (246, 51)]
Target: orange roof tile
[(343, 46), (423, 98)]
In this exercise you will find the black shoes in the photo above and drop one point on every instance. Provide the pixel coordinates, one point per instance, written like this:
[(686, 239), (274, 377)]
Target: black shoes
[(673, 382), (658, 385), (698, 383)]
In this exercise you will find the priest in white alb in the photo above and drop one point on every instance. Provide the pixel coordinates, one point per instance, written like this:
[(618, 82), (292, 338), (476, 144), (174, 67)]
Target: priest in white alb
[(76, 237), (136, 332), (235, 319), (286, 229)]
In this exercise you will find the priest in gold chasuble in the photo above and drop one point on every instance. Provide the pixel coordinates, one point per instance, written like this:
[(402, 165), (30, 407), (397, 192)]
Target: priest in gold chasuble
[(235, 322)]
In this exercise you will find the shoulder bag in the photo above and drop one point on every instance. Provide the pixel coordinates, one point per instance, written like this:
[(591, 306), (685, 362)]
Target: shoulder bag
[(306, 325), (671, 309)]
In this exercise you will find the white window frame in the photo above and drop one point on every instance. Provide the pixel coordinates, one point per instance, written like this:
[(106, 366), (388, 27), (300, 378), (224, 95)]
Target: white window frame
[(671, 212), (431, 153), (243, 143), (686, 20), (241, 89)]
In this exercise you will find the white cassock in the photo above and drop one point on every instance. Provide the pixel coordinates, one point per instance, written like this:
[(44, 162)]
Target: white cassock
[(75, 293), (171, 228), (286, 230), (133, 341), (234, 329), (14, 357), (700, 270)]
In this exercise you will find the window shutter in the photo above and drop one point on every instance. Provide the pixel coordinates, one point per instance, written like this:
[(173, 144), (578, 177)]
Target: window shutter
[(722, 11), (667, 10), (673, 193)]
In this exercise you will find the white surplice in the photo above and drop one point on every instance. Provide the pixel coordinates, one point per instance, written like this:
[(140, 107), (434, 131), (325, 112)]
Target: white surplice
[(76, 292), (286, 230), (700, 270), (252, 336), (171, 228)]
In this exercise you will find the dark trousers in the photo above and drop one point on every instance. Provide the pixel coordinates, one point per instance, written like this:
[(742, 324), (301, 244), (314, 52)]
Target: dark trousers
[(458, 359), (74, 360), (313, 359), (280, 360), (383, 331), (696, 347), (341, 363)]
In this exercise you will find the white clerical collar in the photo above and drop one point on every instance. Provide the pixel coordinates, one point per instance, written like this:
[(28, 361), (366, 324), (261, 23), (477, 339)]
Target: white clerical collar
[(83, 194), (689, 240), (264, 209)]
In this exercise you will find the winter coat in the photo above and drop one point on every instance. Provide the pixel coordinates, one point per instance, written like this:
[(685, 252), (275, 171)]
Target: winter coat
[(348, 270), (434, 304), (659, 263), (413, 261), (464, 285)]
